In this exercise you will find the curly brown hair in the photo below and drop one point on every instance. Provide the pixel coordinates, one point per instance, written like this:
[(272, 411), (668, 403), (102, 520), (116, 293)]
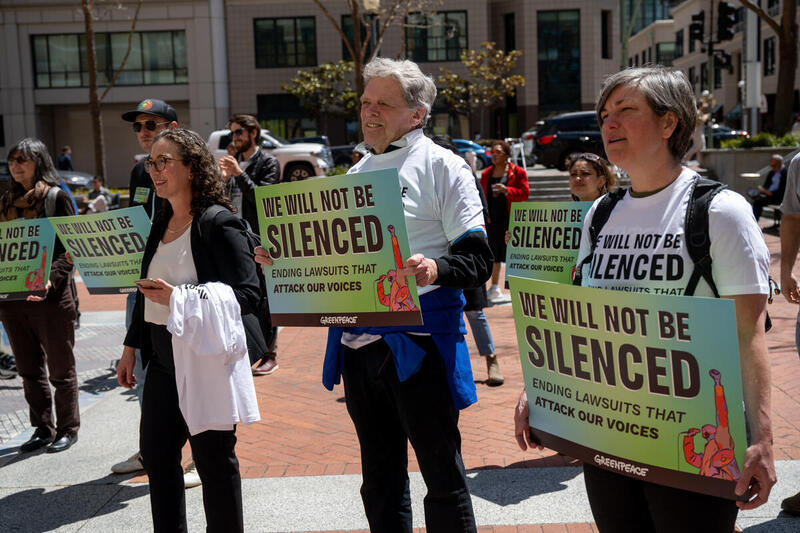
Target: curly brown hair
[(207, 186)]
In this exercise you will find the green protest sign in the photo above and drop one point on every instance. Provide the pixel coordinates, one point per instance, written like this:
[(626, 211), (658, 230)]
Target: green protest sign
[(545, 238), (107, 248), (26, 253), (337, 243), (645, 386)]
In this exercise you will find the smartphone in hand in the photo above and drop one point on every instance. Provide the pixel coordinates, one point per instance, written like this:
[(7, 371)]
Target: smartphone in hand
[(147, 283)]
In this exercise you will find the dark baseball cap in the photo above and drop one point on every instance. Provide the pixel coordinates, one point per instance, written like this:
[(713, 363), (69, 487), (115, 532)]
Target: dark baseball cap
[(151, 106)]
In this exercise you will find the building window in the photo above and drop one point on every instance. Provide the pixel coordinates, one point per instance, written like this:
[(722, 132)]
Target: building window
[(717, 75), (691, 45), (347, 28), (693, 78), (644, 57), (665, 53), (156, 58), (510, 30), (438, 37), (678, 44), (605, 34), (769, 56), (773, 8), (283, 116), (559, 60), (647, 12), (285, 42)]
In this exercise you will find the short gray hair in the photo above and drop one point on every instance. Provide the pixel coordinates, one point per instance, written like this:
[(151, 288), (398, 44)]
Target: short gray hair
[(419, 90), (777, 157), (665, 90)]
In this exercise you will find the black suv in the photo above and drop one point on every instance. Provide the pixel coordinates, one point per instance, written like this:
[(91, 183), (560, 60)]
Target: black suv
[(564, 134)]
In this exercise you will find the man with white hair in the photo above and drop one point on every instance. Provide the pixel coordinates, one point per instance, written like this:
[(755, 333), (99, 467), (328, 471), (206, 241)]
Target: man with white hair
[(408, 383)]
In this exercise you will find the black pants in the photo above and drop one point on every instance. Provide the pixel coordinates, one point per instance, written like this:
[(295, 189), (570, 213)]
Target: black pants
[(163, 433), (621, 504), (760, 202), (387, 414)]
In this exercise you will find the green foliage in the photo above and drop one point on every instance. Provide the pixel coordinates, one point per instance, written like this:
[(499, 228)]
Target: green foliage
[(338, 170), (490, 79), (762, 139), (325, 89)]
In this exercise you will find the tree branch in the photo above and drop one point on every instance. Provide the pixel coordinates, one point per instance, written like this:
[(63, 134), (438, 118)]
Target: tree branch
[(763, 15), (338, 28), (127, 53)]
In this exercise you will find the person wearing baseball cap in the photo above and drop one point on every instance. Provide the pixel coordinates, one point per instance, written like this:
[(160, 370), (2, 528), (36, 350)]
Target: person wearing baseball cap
[(149, 118)]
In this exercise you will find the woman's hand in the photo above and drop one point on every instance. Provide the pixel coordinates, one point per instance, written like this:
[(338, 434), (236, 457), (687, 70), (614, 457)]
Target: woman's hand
[(160, 295), (34, 298), (499, 188), (125, 375), (262, 256), (522, 428)]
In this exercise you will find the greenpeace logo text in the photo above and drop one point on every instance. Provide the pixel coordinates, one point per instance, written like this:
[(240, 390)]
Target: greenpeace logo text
[(621, 466)]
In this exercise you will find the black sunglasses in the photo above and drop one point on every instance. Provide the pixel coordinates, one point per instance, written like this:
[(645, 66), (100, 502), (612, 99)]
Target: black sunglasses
[(239, 131), (20, 159), (151, 125)]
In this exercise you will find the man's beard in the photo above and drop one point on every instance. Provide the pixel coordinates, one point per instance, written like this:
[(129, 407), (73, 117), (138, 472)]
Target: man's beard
[(244, 146)]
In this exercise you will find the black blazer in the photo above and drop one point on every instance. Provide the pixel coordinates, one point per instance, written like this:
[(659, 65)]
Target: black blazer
[(777, 196), (222, 254)]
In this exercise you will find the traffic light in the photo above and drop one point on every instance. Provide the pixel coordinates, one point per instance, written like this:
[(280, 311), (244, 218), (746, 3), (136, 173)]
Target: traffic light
[(697, 27), (726, 18)]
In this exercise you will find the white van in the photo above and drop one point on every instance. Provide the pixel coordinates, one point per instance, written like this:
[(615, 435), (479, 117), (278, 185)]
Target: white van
[(298, 161)]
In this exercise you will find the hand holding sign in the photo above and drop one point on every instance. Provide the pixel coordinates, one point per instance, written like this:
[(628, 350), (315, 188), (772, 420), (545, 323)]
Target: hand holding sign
[(424, 270)]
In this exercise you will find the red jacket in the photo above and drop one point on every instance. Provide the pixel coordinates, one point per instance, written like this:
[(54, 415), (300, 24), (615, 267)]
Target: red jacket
[(518, 189)]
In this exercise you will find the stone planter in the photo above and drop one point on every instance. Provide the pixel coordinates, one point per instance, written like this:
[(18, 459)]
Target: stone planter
[(728, 166)]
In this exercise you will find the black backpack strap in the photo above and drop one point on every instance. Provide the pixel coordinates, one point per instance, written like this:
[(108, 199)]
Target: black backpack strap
[(698, 243), (601, 215)]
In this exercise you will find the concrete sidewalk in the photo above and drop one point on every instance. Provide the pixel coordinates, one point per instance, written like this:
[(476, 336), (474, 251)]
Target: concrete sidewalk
[(73, 491), (301, 462)]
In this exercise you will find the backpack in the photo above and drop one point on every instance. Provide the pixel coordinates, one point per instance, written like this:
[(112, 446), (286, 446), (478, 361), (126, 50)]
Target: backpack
[(50, 201), (698, 242), (262, 310)]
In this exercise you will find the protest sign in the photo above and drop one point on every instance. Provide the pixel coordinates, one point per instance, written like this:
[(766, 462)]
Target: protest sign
[(645, 386), (337, 243), (107, 248), (26, 252), (545, 238)]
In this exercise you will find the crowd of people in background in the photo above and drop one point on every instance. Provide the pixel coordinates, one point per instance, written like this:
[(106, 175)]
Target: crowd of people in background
[(402, 384)]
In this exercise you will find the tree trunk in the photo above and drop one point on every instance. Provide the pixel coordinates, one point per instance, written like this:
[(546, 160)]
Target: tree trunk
[(787, 68), (94, 100)]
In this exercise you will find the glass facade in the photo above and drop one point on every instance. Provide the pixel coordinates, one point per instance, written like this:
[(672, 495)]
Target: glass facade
[(769, 56), (285, 42), (665, 53), (649, 11), (438, 37), (559, 60), (155, 58)]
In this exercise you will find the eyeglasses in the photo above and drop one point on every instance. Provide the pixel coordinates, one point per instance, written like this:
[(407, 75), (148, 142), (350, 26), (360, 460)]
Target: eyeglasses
[(151, 125), (20, 160), (158, 164), (587, 155), (238, 132)]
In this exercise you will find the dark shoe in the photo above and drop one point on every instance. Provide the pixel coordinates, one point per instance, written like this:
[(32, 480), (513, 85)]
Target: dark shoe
[(791, 505), (35, 443), (266, 368), (62, 443), (8, 366)]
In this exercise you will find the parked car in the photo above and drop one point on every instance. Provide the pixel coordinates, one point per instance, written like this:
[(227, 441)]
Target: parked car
[(482, 157), (298, 161), (564, 134), (76, 180), (342, 154), (720, 132), (527, 139)]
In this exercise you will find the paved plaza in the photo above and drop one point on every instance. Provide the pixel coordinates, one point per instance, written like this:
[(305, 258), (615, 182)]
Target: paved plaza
[(300, 464)]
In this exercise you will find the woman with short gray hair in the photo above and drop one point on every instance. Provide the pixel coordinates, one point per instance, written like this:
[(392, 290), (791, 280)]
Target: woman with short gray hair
[(646, 117)]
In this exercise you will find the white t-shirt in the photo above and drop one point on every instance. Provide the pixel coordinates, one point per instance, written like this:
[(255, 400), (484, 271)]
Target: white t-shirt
[(172, 262), (440, 200), (642, 249)]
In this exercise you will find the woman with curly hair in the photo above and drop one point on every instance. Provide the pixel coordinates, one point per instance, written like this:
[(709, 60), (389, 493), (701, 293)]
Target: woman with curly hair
[(191, 242), (41, 330)]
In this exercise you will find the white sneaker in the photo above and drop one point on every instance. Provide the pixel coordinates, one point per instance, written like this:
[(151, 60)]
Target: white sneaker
[(495, 293), (129, 465), (191, 477)]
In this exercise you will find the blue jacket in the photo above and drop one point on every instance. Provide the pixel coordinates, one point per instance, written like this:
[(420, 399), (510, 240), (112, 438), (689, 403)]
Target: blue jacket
[(443, 319)]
